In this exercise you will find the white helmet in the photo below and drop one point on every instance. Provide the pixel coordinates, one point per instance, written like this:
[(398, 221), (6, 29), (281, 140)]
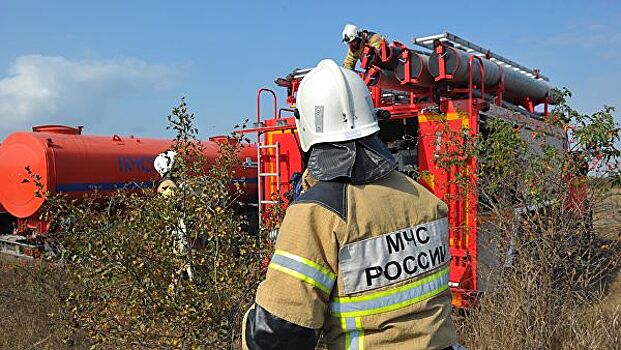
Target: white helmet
[(334, 105), (163, 163), (350, 32)]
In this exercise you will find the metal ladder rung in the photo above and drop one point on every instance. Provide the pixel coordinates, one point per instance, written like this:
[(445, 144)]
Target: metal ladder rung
[(261, 157), (463, 44)]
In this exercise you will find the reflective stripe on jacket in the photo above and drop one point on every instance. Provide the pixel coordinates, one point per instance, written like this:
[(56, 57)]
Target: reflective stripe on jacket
[(366, 264)]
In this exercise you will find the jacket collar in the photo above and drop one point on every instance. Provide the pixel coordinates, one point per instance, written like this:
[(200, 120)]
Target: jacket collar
[(360, 161)]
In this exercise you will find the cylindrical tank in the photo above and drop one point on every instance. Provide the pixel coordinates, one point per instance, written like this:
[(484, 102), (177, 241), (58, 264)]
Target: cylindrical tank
[(517, 85), (386, 57), (414, 68), (387, 80), (384, 77), (75, 164), (389, 56)]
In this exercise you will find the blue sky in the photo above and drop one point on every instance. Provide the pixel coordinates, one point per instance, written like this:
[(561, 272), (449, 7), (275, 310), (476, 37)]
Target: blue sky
[(120, 66)]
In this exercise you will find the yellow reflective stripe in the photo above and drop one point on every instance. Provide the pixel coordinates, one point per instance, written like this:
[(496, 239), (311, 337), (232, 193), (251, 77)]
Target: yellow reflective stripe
[(390, 300), (393, 306), (346, 331), (360, 334), (392, 291), (305, 261), (354, 335), (299, 276)]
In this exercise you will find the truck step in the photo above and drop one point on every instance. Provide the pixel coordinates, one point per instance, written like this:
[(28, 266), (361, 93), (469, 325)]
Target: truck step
[(16, 246)]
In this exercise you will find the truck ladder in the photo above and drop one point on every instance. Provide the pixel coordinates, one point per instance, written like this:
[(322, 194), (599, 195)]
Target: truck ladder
[(465, 45), (261, 175)]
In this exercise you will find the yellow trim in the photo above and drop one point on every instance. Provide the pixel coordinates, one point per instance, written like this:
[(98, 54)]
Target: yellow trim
[(391, 307), (307, 262), (422, 118), (360, 334), (346, 331), (465, 120), (389, 292), (299, 276), (270, 141), (430, 180), (465, 123)]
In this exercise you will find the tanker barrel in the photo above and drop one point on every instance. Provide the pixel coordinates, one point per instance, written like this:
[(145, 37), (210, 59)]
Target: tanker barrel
[(388, 80), (517, 86), (509, 105), (418, 70), (456, 64), (383, 77), (389, 56), (386, 57), (76, 165)]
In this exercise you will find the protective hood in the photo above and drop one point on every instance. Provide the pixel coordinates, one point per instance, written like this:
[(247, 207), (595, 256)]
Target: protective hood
[(361, 161)]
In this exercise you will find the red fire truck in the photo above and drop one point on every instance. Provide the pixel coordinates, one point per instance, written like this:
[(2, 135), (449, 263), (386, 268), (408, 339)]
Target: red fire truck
[(445, 82)]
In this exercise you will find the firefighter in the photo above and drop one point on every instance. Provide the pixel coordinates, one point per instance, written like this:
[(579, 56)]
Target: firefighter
[(356, 40), (163, 164), (362, 255)]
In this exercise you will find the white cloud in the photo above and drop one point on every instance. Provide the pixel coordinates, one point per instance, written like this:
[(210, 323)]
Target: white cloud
[(42, 89)]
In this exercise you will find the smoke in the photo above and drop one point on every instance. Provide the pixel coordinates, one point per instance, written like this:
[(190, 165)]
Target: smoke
[(53, 89)]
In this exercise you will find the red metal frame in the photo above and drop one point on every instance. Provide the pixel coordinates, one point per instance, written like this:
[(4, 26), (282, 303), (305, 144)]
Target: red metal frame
[(457, 112), (440, 49), (261, 90)]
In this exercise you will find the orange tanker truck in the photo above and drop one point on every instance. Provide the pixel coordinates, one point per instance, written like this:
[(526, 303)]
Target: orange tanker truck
[(75, 164)]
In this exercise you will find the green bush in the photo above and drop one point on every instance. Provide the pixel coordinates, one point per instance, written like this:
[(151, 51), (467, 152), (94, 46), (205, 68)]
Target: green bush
[(130, 255)]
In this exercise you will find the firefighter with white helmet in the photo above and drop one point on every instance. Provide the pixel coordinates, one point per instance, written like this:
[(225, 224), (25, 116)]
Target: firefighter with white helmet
[(164, 164), (164, 161), (362, 256), (356, 39)]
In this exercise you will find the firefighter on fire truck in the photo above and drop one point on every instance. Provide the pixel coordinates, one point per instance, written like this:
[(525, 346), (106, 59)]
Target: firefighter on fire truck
[(362, 256), (356, 39)]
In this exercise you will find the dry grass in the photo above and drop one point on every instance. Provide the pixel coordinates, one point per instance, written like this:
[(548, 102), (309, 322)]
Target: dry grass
[(529, 309), (563, 292), (31, 308)]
